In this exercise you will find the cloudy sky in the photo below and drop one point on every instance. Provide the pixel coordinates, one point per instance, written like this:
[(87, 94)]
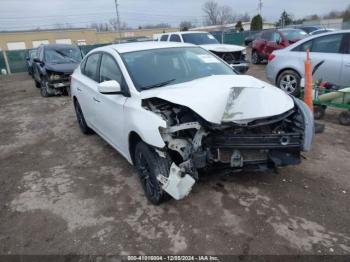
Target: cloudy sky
[(27, 14)]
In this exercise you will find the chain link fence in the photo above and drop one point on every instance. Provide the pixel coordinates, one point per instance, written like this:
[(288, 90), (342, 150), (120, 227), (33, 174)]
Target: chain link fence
[(16, 59)]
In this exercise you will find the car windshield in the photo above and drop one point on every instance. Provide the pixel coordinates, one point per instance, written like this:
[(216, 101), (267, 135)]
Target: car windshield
[(63, 55), (294, 34), (159, 67), (199, 39)]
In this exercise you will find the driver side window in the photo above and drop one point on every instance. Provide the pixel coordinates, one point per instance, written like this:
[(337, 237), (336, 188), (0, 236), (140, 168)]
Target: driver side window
[(109, 70)]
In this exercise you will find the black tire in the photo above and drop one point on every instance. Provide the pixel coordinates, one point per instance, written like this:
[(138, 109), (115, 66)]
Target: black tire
[(44, 89), (344, 118), (81, 120), (319, 112), (149, 164), (37, 84), (256, 59), (289, 81)]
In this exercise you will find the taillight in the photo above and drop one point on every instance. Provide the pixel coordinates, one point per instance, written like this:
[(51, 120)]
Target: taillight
[(271, 57)]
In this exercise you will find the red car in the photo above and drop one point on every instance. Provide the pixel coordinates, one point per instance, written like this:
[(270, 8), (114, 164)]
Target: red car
[(270, 40)]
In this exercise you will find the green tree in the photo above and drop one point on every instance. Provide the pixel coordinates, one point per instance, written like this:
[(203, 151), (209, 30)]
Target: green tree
[(285, 19), (239, 26), (257, 23)]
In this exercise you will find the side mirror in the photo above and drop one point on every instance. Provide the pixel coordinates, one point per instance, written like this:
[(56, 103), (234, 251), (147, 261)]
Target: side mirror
[(109, 87)]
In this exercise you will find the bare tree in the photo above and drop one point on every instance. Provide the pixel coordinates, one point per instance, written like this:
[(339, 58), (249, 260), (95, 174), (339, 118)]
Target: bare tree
[(100, 27), (212, 12), (216, 14), (226, 15), (113, 24), (185, 25), (244, 17)]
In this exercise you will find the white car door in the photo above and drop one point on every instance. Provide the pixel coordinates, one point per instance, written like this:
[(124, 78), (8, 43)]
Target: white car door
[(86, 87), (109, 107)]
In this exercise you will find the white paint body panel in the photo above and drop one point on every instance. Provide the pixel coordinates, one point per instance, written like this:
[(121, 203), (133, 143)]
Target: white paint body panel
[(115, 117), (208, 97), (222, 48)]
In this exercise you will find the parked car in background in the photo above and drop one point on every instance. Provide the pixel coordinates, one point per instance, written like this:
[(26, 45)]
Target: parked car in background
[(273, 39), (321, 31), (309, 29), (234, 55), (30, 61), (53, 66), (286, 67), (249, 40), (172, 109)]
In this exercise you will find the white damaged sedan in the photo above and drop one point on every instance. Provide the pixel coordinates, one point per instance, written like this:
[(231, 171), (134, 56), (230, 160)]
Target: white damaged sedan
[(174, 109)]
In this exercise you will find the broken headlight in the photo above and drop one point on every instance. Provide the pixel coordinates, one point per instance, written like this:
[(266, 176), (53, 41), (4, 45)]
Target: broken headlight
[(55, 77)]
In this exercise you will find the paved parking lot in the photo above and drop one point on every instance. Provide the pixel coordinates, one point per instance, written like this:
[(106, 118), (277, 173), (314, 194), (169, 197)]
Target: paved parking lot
[(65, 193)]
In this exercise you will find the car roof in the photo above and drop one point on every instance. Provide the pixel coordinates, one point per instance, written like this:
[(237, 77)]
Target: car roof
[(59, 46), (186, 32), (141, 46)]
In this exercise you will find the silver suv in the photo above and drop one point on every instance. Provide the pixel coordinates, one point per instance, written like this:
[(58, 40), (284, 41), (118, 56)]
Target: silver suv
[(331, 51)]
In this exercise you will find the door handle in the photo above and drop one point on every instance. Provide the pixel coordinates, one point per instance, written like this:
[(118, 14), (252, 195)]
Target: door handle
[(79, 89), (94, 98), (347, 65)]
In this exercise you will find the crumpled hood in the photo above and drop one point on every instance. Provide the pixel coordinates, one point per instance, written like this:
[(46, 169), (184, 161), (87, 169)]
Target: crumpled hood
[(62, 68), (223, 48), (226, 98)]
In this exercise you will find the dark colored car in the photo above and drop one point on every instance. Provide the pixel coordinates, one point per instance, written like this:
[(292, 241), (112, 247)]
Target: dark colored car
[(53, 66), (270, 40), (30, 61)]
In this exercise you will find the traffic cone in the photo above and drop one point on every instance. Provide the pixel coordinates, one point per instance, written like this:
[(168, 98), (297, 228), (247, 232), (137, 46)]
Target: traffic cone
[(308, 99)]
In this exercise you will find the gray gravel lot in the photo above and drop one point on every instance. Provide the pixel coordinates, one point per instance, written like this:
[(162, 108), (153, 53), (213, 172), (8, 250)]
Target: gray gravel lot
[(65, 193)]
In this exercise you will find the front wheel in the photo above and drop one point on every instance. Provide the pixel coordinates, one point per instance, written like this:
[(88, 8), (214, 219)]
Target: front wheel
[(149, 165), (44, 89), (344, 118), (255, 58), (81, 119), (289, 81)]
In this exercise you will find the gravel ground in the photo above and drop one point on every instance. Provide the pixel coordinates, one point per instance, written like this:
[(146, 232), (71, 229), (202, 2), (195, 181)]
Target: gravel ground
[(65, 193)]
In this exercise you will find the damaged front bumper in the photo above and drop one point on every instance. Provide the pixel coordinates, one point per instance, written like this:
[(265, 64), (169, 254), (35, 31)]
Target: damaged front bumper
[(241, 67), (260, 144)]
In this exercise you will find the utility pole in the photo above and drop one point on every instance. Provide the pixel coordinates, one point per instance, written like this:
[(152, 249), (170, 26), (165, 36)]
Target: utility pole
[(118, 20), (260, 6)]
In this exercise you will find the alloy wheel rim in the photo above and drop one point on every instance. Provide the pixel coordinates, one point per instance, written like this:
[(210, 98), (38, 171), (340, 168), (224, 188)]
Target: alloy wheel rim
[(289, 83)]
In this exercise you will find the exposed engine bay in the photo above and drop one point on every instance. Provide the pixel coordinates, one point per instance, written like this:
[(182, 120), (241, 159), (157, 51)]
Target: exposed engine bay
[(192, 143)]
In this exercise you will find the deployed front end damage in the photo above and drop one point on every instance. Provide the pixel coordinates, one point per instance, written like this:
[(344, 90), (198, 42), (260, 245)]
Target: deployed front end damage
[(193, 143)]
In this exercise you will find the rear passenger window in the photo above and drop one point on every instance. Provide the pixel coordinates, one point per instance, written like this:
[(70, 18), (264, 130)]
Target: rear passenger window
[(175, 38), (109, 70), (327, 44), (91, 67), (164, 38), (324, 44)]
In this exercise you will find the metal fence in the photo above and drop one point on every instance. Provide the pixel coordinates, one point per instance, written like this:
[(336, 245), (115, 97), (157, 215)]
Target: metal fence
[(2, 62), (17, 59), (233, 38)]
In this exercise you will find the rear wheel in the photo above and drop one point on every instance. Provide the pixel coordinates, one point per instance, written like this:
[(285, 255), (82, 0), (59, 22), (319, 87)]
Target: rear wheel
[(37, 84), (289, 81), (344, 118), (149, 165), (255, 57), (81, 119), (319, 112)]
